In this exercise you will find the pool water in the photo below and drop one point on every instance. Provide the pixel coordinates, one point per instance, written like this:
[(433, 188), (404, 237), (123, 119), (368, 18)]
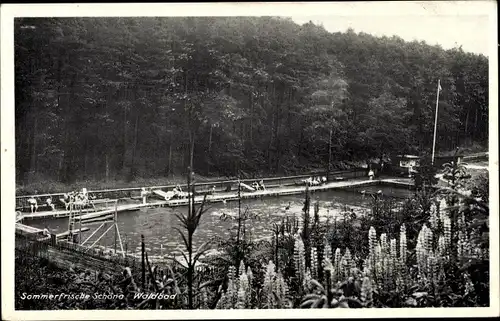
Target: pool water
[(157, 224)]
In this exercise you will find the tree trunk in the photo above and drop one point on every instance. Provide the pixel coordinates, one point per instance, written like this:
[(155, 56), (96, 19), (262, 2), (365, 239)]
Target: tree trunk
[(60, 167), (209, 154), (34, 145), (278, 101), (124, 138), (69, 134), (107, 166), (134, 147), (191, 152), (269, 153), (251, 117), (169, 171), (288, 117), (85, 159), (467, 121), (184, 155), (301, 138), (277, 124), (474, 135), (329, 156)]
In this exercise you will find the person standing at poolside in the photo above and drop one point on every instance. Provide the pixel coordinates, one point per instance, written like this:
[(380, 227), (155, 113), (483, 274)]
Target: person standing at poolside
[(50, 204), (144, 195), (33, 204), (371, 174)]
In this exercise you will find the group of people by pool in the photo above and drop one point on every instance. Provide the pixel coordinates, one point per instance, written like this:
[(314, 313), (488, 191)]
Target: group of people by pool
[(80, 199), (33, 203), (315, 181), (77, 198), (176, 192), (259, 186)]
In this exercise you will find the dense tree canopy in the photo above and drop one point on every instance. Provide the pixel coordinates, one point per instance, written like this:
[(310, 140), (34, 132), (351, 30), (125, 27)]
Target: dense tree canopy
[(128, 97)]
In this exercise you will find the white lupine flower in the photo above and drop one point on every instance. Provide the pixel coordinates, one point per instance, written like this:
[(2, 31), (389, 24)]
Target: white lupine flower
[(402, 244), (299, 256)]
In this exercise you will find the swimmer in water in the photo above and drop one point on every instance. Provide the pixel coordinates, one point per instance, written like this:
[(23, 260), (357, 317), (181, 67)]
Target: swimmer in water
[(46, 231)]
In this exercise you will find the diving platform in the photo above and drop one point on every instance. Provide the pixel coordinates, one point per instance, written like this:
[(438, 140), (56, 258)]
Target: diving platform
[(52, 214), (64, 235), (27, 229), (247, 187), (164, 195)]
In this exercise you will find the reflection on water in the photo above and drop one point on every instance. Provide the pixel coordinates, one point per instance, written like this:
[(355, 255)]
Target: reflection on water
[(156, 224)]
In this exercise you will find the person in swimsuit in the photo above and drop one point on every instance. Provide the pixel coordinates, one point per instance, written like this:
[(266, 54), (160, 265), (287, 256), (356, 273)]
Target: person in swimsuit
[(50, 204), (144, 195), (46, 231), (33, 204)]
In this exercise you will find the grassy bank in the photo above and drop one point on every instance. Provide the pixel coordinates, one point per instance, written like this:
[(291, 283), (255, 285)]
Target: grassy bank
[(466, 149), (44, 185), (41, 184)]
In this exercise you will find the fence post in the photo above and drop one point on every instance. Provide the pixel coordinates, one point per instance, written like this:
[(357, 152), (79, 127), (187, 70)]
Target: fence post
[(143, 263), (114, 222)]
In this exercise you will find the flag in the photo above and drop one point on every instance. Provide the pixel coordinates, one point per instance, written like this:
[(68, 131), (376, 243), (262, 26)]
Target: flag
[(439, 86)]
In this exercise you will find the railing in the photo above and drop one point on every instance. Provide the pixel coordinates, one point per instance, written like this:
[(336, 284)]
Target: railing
[(22, 201), (477, 156), (30, 245)]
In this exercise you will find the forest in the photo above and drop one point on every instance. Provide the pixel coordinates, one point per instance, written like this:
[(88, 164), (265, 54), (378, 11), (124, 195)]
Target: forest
[(127, 98)]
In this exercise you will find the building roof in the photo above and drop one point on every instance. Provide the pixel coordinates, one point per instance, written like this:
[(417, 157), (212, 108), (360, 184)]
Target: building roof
[(408, 156)]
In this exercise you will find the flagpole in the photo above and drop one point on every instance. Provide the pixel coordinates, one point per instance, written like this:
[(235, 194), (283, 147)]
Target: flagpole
[(435, 120)]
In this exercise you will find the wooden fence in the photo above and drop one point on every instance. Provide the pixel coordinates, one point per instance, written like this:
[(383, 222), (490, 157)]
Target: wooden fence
[(66, 254), (476, 157)]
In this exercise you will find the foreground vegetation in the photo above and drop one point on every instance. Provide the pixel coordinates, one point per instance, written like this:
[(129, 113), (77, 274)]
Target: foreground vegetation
[(430, 251), (125, 98)]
